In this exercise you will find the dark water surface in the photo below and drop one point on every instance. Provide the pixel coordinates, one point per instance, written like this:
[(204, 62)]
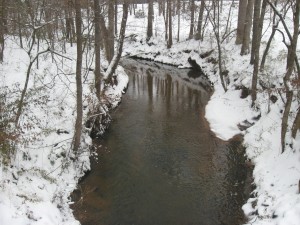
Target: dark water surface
[(158, 163)]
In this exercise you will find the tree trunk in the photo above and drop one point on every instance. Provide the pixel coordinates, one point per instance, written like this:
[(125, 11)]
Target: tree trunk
[(178, 22), (241, 21), (200, 20), (192, 7), (78, 123), (296, 124), (116, 17), (110, 29), (97, 49), (69, 21), (165, 13), (2, 5), (274, 27), (247, 28), (104, 36), (257, 32), (114, 62), (290, 67), (150, 20), (169, 12)]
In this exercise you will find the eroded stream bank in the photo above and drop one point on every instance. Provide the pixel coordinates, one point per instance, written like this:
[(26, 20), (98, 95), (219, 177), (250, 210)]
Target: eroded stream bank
[(158, 163)]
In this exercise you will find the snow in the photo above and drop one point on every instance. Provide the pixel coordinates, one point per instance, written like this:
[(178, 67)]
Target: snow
[(36, 189)]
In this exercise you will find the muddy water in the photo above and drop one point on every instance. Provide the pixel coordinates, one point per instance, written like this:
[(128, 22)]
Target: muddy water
[(158, 163)]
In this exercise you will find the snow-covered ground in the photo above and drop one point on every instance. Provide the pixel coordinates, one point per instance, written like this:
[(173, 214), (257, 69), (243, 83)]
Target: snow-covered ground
[(36, 188)]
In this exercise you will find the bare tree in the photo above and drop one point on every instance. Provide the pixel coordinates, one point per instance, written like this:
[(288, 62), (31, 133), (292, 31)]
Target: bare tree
[(200, 20), (178, 21), (275, 24), (110, 29), (192, 10), (116, 17), (247, 28), (70, 28), (290, 67), (116, 58), (150, 20), (241, 21), (169, 13), (78, 123), (97, 48), (215, 21), (259, 15), (2, 9)]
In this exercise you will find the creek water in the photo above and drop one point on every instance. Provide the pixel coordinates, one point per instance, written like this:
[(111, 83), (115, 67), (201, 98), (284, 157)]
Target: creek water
[(158, 163)]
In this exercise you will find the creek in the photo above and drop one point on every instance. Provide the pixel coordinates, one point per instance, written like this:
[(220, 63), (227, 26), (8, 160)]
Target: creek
[(158, 163)]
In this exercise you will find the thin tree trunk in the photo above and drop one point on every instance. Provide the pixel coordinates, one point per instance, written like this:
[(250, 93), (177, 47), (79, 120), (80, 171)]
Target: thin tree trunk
[(255, 38), (165, 13), (200, 20), (115, 61), (20, 30), (116, 17), (256, 47), (97, 49), (290, 67), (247, 28), (24, 91), (2, 5), (169, 11), (110, 29), (105, 37), (274, 27), (192, 8), (150, 20), (178, 22), (296, 124), (78, 123)]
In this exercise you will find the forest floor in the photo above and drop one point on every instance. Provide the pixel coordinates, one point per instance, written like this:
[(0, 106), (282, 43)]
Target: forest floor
[(35, 189)]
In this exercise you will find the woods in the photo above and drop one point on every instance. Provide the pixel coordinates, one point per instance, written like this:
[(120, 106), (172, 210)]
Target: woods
[(40, 25), (60, 61)]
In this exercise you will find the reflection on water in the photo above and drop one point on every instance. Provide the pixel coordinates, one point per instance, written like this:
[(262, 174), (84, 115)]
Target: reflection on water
[(158, 163)]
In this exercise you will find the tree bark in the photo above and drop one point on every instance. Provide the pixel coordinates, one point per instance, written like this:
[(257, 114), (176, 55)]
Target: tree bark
[(178, 21), (116, 17), (78, 123), (296, 124), (192, 8), (166, 18), (247, 28), (114, 62), (200, 20), (257, 32), (274, 27), (169, 12), (150, 20), (241, 21), (290, 67), (2, 5), (97, 49), (110, 29)]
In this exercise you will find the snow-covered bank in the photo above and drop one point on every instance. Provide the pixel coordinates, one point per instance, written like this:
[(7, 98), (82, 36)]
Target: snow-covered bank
[(276, 198), (36, 185)]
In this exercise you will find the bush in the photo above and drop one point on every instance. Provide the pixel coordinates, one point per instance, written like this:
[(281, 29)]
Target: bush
[(7, 135)]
